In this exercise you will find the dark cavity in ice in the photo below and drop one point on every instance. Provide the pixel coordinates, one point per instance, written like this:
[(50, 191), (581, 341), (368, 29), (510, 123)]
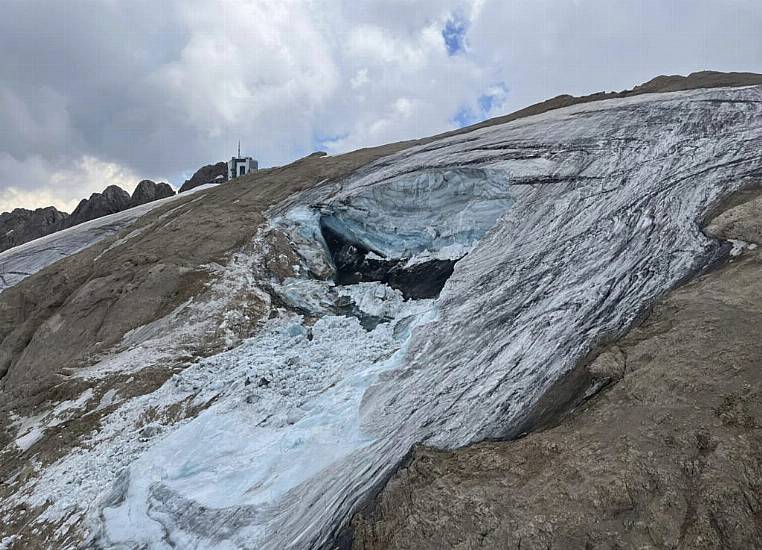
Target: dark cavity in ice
[(419, 281)]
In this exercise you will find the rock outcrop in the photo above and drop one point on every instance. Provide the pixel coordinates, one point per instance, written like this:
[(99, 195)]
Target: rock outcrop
[(206, 174), (113, 199), (149, 191), (21, 225), (669, 455)]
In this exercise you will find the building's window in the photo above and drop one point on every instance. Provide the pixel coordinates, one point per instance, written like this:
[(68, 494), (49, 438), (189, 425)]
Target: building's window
[(241, 169)]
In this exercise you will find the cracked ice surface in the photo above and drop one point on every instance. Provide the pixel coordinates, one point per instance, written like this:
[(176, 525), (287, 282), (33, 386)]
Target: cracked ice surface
[(258, 442), (19, 262), (276, 411), (605, 199), (427, 211), (436, 214)]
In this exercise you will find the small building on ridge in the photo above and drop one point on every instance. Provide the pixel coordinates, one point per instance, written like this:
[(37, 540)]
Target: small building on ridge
[(240, 166)]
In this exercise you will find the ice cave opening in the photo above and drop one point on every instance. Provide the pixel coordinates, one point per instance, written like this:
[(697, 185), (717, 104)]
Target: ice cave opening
[(409, 232), (355, 263)]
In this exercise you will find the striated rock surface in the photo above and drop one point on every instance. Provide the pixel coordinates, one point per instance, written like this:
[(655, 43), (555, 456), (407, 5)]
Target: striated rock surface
[(113, 199), (21, 225), (668, 457), (149, 191), (206, 174)]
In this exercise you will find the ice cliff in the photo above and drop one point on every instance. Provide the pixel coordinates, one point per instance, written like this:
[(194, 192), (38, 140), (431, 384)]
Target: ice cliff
[(548, 233)]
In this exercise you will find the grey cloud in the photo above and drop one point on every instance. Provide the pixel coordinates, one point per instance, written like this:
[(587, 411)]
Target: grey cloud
[(93, 93)]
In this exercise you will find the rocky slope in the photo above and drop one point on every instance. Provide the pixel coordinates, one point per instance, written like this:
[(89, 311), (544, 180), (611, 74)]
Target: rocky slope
[(243, 369), (669, 455), (24, 260), (21, 225), (206, 174)]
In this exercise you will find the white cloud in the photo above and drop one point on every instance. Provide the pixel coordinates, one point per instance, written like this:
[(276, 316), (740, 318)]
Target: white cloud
[(32, 183), (360, 78), (162, 88)]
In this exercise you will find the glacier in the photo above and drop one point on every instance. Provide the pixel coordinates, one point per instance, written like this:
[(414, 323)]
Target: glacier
[(429, 211), (19, 262), (564, 227)]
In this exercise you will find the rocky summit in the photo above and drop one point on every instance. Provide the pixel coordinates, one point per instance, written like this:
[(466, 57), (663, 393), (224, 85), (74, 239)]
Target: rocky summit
[(113, 199), (21, 225), (535, 332), (206, 174), (149, 191)]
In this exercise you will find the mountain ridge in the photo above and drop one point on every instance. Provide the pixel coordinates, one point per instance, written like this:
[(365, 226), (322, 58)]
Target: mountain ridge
[(21, 225)]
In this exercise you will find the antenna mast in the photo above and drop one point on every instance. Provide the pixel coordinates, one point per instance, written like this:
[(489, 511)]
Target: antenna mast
[(239, 148)]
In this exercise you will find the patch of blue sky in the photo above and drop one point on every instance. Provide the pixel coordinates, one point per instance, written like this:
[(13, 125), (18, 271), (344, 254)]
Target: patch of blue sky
[(483, 108), (454, 34), (465, 117)]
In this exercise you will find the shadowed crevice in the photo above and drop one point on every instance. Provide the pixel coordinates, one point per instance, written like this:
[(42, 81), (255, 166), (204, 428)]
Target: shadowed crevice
[(417, 281)]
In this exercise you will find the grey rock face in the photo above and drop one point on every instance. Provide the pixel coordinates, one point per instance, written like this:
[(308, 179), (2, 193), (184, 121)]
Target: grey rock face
[(21, 225), (24, 260), (113, 199), (148, 191), (205, 174)]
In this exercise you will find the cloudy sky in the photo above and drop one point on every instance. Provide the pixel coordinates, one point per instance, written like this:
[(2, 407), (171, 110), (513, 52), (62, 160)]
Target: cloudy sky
[(99, 92)]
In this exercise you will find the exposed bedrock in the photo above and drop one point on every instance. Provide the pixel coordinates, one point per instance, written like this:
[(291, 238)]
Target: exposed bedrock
[(113, 199), (149, 191), (21, 225), (206, 174)]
